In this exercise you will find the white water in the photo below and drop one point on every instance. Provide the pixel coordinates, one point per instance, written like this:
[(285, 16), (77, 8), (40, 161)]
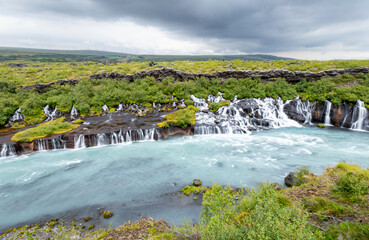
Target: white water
[(141, 174), (327, 117), (73, 112), (231, 119), (105, 109), (7, 150), (359, 116), (305, 109), (17, 116), (79, 141)]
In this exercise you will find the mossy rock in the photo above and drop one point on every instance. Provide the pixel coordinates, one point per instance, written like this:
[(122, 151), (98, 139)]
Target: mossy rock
[(107, 214), (197, 182), (320, 125), (192, 189)]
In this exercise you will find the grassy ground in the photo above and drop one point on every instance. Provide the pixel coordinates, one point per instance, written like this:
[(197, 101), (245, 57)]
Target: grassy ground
[(43, 130), (182, 118), (40, 72)]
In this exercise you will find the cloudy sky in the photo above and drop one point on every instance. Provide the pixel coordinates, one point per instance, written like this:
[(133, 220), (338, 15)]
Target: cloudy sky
[(311, 29)]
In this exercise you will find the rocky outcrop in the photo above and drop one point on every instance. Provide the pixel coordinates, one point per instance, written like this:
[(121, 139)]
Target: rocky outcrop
[(160, 74), (290, 179)]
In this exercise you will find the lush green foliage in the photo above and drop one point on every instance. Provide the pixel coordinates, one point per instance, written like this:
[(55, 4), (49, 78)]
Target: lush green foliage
[(89, 95), (263, 213), (215, 106), (181, 118), (300, 174), (43, 130)]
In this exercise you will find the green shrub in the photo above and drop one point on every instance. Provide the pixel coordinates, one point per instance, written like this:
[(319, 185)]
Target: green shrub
[(300, 175), (347, 231), (215, 106), (181, 118), (351, 184), (263, 214)]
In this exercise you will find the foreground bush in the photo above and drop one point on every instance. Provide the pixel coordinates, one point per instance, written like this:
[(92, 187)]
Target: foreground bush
[(263, 213), (43, 130)]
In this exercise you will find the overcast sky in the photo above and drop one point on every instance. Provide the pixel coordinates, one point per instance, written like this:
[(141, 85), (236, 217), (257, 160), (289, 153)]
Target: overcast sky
[(311, 29)]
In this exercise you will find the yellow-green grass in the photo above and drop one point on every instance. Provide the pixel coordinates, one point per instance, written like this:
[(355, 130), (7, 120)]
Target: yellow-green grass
[(49, 72), (181, 118), (43, 130)]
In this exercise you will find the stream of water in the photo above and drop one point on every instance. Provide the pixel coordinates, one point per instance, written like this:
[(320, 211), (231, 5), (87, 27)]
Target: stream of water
[(140, 175)]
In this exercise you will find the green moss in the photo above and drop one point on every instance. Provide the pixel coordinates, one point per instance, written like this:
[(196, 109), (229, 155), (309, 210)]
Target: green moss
[(192, 189), (86, 219), (107, 214), (181, 118), (324, 206), (91, 226), (321, 125), (78, 121), (215, 106), (43, 130)]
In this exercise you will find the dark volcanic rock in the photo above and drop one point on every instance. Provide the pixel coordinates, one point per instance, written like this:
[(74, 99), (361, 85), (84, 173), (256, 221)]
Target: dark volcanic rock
[(17, 65), (277, 186), (290, 179), (196, 182)]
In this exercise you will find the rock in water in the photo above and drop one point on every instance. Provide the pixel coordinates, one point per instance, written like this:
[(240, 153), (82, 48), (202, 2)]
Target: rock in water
[(290, 179), (197, 182)]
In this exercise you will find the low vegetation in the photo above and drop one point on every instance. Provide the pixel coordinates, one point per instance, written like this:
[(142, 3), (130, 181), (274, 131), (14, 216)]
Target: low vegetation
[(182, 118), (43, 130)]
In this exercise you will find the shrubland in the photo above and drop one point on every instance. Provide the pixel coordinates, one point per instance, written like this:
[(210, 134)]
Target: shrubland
[(89, 95)]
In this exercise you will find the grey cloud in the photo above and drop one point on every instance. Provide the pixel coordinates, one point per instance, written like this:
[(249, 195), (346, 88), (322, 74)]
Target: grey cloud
[(241, 25)]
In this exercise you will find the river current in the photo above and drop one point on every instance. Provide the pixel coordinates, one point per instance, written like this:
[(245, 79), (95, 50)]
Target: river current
[(138, 178)]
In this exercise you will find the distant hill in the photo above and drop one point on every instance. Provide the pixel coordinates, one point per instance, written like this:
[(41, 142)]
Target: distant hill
[(51, 55)]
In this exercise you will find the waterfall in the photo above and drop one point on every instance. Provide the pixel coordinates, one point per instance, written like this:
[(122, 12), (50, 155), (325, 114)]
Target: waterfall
[(79, 141), (327, 107), (51, 115), (305, 109), (129, 136), (242, 116), (359, 116), (74, 112), (114, 138), (120, 107), (174, 104), (7, 150), (17, 116), (102, 139), (199, 103), (105, 109), (42, 144), (182, 104), (212, 98)]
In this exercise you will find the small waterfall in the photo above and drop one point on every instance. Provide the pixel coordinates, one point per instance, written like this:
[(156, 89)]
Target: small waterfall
[(17, 116), (359, 116), (305, 109), (105, 109), (212, 98), (74, 112), (199, 102), (42, 144), (51, 115), (102, 139), (114, 138), (7, 150), (46, 110), (182, 104), (327, 107), (79, 141), (120, 108), (129, 136)]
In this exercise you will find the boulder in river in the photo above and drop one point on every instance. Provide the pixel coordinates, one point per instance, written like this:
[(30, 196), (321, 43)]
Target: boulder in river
[(290, 179), (196, 182)]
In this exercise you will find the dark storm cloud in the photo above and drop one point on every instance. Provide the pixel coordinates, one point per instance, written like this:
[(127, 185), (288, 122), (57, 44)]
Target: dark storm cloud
[(245, 26)]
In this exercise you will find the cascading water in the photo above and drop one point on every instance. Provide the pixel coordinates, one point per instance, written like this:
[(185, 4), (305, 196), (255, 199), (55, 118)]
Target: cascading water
[(199, 103), (120, 108), (17, 116), (51, 115), (102, 139), (105, 109), (7, 150), (79, 141), (305, 109), (41, 144), (74, 112), (327, 117), (359, 116), (241, 116)]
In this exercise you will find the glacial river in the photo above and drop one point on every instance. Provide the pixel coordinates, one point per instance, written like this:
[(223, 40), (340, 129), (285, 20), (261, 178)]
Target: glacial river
[(137, 179)]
